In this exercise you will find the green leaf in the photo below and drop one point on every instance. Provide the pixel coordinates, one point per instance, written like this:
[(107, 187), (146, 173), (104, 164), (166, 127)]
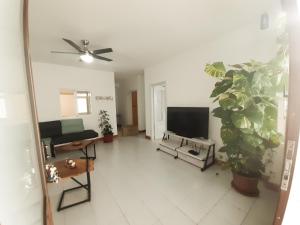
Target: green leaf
[(229, 134), (223, 149), (229, 74), (237, 66), (242, 99), (223, 114), (240, 120), (220, 113), (275, 140), (252, 140), (227, 101), (271, 112), (255, 113), (247, 130), (240, 81), (253, 166), (216, 69), (216, 99), (221, 87)]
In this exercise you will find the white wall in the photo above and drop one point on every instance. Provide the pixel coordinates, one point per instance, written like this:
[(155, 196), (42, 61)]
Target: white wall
[(50, 79), (188, 85), (125, 85)]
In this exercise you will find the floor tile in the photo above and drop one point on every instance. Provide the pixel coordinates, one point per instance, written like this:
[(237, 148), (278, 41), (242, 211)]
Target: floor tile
[(176, 217), (133, 184)]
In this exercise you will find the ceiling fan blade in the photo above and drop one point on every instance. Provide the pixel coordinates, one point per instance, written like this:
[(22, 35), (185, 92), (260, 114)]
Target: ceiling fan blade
[(76, 53), (100, 57), (73, 45), (101, 51)]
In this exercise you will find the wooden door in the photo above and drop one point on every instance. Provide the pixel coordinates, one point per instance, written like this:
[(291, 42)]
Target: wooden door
[(134, 104)]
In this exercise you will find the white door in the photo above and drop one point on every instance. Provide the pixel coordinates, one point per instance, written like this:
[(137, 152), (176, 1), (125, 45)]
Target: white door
[(159, 110), (21, 195)]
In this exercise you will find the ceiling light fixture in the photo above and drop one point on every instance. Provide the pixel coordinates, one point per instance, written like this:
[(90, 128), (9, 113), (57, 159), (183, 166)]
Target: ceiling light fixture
[(87, 58)]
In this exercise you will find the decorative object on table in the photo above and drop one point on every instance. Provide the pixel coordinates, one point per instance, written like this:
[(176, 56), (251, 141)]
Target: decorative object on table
[(246, 94), (51, 173), (105, 126), (70, 163)]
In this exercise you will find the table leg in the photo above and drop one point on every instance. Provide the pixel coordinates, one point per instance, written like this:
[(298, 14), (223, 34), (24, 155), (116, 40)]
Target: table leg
[(85, 186), (85, 152)]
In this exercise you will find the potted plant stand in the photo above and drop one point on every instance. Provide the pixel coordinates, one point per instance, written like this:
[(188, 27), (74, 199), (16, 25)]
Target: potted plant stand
[(108, 138), (105, 126), (248, 112), (245, 185)]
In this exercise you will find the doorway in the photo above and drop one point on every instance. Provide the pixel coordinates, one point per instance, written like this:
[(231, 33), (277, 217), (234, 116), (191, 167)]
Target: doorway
[(134, 107), (159, 106)]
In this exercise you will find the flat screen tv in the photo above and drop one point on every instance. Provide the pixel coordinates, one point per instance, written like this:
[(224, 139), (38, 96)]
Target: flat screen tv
[(189, 122)]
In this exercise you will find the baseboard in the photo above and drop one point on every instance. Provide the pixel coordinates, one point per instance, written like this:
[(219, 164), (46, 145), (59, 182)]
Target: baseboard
[(142, 131), (101, 138), (147, 137), (269, 185)]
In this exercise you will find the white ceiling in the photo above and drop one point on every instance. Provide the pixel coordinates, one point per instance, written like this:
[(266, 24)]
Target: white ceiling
[(141, 32)]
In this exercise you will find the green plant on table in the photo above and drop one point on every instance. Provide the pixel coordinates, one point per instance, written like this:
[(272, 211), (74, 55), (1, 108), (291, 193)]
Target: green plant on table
[(104, 123)]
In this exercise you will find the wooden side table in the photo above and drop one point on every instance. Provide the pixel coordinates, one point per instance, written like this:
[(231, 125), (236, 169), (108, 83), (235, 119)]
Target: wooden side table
[(82, 166), (83, 146)]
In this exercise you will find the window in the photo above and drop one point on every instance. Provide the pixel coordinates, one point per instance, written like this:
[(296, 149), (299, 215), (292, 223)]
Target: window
[(83, 102), (75, 103)]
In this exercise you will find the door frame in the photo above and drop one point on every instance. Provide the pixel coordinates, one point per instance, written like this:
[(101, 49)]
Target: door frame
[(293, 114), (40, 154), (162, 83)]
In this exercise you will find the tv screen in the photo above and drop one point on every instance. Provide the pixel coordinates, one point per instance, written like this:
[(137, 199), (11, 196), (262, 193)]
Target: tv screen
[(191, 122)]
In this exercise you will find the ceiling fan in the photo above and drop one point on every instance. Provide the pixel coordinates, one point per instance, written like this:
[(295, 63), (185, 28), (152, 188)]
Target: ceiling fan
[(86, 55)]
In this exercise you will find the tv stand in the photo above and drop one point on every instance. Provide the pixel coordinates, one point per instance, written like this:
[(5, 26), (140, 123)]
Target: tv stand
[(170, 142), (181, 147)]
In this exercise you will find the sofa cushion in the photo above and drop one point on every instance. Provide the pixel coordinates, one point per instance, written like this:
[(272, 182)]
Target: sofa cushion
[(50, 129), (75, 136), (72, 126)]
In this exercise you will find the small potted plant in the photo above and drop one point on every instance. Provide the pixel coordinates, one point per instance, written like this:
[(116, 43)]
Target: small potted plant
[(105, 126)]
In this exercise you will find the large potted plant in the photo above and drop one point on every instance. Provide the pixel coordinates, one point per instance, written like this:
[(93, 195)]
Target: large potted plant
[(246, 94), (105, 126)]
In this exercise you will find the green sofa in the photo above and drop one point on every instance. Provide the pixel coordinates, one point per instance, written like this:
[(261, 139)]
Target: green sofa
[(64, 131)]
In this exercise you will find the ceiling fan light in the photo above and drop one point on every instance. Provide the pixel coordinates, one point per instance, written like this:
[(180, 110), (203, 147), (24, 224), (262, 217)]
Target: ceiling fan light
[(87, 58)]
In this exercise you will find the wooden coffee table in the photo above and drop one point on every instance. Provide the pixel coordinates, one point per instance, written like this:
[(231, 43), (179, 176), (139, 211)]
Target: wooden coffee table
[(77, 146), (82, 166)]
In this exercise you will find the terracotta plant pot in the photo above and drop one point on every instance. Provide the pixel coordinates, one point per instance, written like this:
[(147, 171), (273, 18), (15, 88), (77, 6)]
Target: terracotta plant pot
[(108, 138), (245, 185)]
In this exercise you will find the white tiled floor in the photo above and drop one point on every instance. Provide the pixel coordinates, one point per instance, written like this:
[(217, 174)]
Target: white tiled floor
[(133, 184)]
